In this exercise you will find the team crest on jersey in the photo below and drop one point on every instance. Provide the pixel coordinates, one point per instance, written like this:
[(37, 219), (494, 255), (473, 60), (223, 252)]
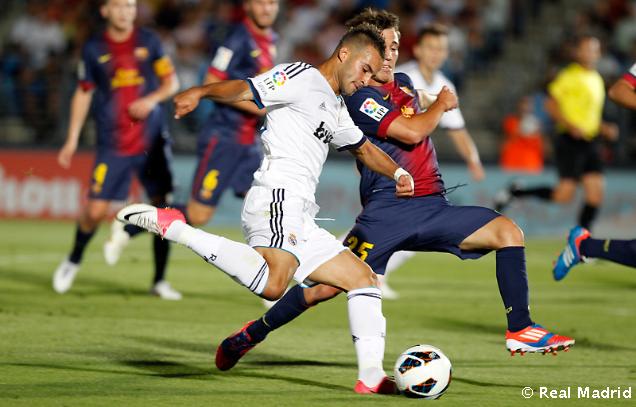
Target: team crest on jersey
[(407, 111), (373, 109), (292, 239), (141, 53), (279, 78)]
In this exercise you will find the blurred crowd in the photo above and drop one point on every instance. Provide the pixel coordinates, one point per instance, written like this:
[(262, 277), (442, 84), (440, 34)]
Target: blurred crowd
[(41, 40)]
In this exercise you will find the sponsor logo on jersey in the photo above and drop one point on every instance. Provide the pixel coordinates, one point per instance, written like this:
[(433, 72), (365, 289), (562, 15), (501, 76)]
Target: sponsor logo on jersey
[(407, 111), (222, 58), (279, 78), (324, 134), (255, 53), (102, 59), (126, 78), (373, 109), (141, 53)]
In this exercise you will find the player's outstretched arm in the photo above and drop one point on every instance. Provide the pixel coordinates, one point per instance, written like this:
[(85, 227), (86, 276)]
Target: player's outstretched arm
[(247, 107), (377, 160), (223, 92), (412, 130), (80, 105), (622, 92)]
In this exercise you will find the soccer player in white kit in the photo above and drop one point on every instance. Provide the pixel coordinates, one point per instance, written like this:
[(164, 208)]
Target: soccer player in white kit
[(305, 113), (431, 52)]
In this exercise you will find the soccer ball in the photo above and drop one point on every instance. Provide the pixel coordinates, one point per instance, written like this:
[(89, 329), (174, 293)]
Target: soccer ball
[(423, 371)]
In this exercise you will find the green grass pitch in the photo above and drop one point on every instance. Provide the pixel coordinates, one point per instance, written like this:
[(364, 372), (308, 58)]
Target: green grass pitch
[(107, 342)]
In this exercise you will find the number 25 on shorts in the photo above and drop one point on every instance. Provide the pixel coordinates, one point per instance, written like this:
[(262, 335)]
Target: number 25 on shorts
[(359, 249)]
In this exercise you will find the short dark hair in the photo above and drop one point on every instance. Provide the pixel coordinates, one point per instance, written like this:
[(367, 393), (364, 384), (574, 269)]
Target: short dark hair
[(435, 30), (577, 40), (380, 18), (362, 35)]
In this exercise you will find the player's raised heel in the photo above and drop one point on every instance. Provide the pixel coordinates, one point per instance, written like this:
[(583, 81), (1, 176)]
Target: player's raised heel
[(155, 220), (571, 255), (232, 349), (386, 386), (536, 339)]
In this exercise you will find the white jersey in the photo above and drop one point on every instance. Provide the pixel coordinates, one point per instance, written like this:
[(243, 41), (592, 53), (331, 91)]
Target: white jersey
[(451, 120), (304, 116)]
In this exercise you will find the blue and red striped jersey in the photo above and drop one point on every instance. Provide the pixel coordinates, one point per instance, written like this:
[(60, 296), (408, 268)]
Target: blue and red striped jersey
[(120, 73), (372, 109), (244, 53)]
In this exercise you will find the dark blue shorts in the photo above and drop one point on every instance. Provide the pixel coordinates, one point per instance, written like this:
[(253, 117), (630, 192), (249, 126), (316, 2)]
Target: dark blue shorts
[(424, 224), (224, 164), (112, 173)]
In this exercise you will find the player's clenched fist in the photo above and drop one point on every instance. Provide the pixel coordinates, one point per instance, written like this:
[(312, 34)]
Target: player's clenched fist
[(186, 101), (447, 98), (404, 185)]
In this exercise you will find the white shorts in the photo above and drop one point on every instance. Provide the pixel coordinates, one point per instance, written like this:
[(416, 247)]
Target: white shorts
[(276, 218)]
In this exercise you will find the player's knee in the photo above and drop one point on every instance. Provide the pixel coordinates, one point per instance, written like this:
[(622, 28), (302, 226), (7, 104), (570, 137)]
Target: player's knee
[(320, 293), (276, 286), (197, 218), (365, 277), (509, 234)]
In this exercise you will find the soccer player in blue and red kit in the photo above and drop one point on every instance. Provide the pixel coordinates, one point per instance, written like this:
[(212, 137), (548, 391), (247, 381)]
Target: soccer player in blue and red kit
[(126, 75), (227, 147), (388, 113)]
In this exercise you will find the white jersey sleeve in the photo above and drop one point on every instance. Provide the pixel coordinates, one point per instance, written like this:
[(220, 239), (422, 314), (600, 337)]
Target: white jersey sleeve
[(347, 136), (453, 119), (279, 85)]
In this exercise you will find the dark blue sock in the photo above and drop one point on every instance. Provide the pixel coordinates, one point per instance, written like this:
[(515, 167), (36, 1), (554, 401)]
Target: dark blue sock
[(161, 250), (81, 240), (513, 286), (291, 305), (618, 251)]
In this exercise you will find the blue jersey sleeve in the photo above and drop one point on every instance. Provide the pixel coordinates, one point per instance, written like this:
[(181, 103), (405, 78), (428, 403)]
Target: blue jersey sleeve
[(86, 68), (227, 56), (161, 62), (370, 112)]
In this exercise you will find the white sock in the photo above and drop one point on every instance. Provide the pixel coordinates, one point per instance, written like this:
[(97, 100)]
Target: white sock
[(368, 329), (396, 261), (239, 261)]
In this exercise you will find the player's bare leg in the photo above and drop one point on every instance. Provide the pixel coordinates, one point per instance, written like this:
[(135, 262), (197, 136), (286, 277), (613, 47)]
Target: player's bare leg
[(199, 214), (92, 215), (523, 335)]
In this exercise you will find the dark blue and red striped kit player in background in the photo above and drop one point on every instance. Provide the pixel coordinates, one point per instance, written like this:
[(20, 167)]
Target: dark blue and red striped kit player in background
[(121, 73), (124, 75), (227, 147)]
